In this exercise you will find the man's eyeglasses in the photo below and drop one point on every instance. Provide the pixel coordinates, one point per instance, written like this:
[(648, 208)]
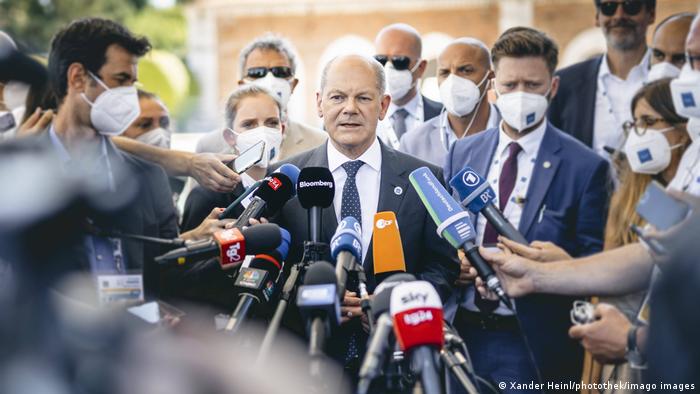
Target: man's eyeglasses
[(641, 125), (399, 62), (630, 7), (260, 72)]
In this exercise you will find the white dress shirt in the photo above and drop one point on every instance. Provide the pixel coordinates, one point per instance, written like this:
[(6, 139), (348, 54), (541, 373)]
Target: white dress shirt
[(415, 117), (367, 180), (612, 104), (513, 211), (447, 134), (687, 177)]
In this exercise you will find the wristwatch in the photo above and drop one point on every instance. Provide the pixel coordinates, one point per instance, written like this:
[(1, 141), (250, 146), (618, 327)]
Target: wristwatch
[(632, 353)]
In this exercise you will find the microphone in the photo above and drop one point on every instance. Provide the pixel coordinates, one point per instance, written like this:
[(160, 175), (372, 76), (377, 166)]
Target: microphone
[(346, 250), (387, 249), (257, 282), (231, 245), (478, 197), (290, 170), (379, 341), (453, 224), (315, 189), (275, 190), (319, 305), (416, 311)]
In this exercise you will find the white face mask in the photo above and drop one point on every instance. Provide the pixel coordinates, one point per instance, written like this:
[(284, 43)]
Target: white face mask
[(662, 70), (521, 110), (14, 94), (114, 110), (399, 82), (460, 95), (159, 137), (272, 138), (278, 86), (685, 91), (693, 128), (649, 153)]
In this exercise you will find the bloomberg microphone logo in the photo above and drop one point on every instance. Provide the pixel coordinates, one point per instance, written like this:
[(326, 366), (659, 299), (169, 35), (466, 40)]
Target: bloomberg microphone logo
[(316, 184)]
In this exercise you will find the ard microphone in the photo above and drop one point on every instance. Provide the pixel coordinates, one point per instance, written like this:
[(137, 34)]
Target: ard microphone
[(478, 197), (230, 245), (275, 191), (315, 190), (387, 249), (379, 342), (256, 283), (290, 170), (453, 224), (416, 311), (346, 250), (319, 304)]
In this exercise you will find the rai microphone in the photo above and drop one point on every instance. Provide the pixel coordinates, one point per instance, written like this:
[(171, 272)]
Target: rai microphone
[(387, 250), (346, 250), (478, 197), (454, 225), (256, 283), (379, 342), (230, 245), (275, 190), (416, 312), (290, 170), (315, 191)]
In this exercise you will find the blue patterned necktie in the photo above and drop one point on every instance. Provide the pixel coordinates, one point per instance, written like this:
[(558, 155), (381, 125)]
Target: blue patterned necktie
[(350, 206)]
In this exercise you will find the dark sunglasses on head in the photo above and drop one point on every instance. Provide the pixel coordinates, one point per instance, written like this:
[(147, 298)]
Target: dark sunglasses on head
[(260, 72), (399, 62), (630, 7)]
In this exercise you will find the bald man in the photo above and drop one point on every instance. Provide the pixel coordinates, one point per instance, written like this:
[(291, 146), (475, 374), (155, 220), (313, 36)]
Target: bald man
[(464, 74), (668, 46), (369, 177), (398, 48)]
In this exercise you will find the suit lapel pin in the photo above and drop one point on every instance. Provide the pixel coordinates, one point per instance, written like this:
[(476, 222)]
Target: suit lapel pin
[(398, 190), (546, 164)]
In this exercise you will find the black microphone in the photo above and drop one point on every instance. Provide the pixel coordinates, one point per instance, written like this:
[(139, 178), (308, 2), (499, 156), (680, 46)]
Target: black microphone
[(269, 198), (379, 341), (315, 190), (478, 197)]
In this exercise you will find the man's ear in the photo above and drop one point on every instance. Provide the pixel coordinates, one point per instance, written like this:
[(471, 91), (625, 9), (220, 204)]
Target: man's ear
[(421, 69), (318, 104), (386, 99), (77, 77), (555, 88), (229, 137), (294, 82)]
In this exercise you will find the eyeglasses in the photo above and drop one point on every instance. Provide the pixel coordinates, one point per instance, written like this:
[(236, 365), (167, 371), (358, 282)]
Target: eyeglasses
[(400, 62), (641, 125), (630, 7), (260, 72)]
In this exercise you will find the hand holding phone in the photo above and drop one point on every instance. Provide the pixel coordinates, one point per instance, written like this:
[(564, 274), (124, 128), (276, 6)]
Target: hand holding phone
[(248, 158)]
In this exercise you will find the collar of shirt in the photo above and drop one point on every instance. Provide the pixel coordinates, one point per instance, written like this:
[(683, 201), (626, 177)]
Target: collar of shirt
[(448, 134), (530, 143), (637, 73), (372, 156), (414, 108)]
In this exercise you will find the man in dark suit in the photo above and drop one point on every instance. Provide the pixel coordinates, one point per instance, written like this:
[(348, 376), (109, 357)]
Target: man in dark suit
[(369, 177), (552, 188), (594, 96), (399, 49), (92, 68)]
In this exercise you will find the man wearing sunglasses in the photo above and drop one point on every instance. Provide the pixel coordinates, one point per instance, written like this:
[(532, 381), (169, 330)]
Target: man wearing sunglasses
[(270, 61), (594, 95), (668, 46), (398, 48)]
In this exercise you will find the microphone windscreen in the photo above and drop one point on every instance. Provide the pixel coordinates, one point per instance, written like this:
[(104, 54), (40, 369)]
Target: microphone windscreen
[(291, 171), (315, 187), (453, 223), (387, 249), (381, 301), (276, 190), (417, 313), (270, 262), (473, 189), (262, 238), (347, 238), (283, 248), (320, 273)]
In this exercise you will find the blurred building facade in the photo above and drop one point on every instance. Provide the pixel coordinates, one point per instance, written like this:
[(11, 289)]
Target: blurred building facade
[(322, 29)]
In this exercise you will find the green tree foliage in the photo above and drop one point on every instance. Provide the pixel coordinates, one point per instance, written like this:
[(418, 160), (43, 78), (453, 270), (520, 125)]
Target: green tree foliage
[(166, 29)]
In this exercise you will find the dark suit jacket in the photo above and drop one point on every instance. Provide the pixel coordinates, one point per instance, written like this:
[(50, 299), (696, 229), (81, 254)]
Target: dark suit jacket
[(431, 108), (566, 204), (573, 108), (201, 201)]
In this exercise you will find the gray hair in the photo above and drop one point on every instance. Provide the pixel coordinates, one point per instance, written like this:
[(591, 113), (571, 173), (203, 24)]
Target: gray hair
[(476, 43), (272, 42), (372, 62), (243, 92)]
